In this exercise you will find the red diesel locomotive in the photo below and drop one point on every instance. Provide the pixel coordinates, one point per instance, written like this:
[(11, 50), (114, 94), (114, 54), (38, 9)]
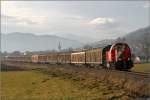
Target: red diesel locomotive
[(117, 56)]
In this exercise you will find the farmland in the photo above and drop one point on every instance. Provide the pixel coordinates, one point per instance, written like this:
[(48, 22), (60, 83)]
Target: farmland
[(46, 82), (33, 85)]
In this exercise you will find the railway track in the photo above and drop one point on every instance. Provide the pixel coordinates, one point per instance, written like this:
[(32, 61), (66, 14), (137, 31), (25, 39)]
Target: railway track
[(137, 73), (124, 72), (140, 73), (146, 75)]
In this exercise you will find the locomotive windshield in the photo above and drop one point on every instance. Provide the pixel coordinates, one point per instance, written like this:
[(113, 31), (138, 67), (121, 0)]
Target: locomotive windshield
[(120, 49)]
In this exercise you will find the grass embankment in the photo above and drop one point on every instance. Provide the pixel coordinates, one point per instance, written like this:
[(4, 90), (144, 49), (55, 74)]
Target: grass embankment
[(37, 85), (145, 67)]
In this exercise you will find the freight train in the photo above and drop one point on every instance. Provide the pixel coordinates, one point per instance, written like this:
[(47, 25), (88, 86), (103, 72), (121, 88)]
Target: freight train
[(115, 56)]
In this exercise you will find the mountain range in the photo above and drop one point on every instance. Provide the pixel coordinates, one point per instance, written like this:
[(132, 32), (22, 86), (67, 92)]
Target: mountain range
[(30, 42), (139, 41)]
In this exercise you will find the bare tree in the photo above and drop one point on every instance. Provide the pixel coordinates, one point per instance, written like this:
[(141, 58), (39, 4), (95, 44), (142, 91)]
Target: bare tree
[(123, 39), (87, 47), (145, 45), (16, 53)]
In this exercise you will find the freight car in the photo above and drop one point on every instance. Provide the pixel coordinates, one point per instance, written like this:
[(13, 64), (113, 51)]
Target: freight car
[(94, 57), (64, 58), (52, 58), (39, 59), (34, 58), (78, 57), (22, 58), (116, 56)]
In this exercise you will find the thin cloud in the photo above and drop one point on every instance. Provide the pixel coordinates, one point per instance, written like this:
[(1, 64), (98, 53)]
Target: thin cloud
[(102, 21), (30, 20)]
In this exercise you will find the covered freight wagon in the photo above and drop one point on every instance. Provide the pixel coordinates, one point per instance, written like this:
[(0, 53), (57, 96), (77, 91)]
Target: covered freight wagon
[(78, 57), (26, 58), (21, 58), (94, 56), (42, 58), (64, 57), (52, 58), (34, 58), (39, 58)]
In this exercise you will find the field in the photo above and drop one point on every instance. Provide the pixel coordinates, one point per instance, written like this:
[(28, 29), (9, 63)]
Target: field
[(43, 82), (38, 85), (141, 68)]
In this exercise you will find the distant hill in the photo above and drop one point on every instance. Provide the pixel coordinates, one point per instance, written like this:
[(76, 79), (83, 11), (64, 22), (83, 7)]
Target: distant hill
[(138, 40), (135, 39), (97, 44), (30, 42), (82, 39)]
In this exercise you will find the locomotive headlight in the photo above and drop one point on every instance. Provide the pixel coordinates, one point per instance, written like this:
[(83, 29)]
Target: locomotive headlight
[(128, 58)]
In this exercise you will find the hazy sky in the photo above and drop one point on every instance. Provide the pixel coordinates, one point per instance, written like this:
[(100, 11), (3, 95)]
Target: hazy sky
[(96, 19)]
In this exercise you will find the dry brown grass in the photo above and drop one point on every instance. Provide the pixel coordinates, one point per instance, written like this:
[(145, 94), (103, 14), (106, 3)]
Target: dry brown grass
[(87, 83), (37, 85)]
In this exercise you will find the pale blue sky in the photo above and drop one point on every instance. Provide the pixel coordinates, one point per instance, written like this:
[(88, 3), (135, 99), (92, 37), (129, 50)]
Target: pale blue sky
[(96, 19)]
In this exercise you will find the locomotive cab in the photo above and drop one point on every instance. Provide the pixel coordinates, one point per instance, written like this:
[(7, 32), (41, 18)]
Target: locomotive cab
[(118, 56)]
